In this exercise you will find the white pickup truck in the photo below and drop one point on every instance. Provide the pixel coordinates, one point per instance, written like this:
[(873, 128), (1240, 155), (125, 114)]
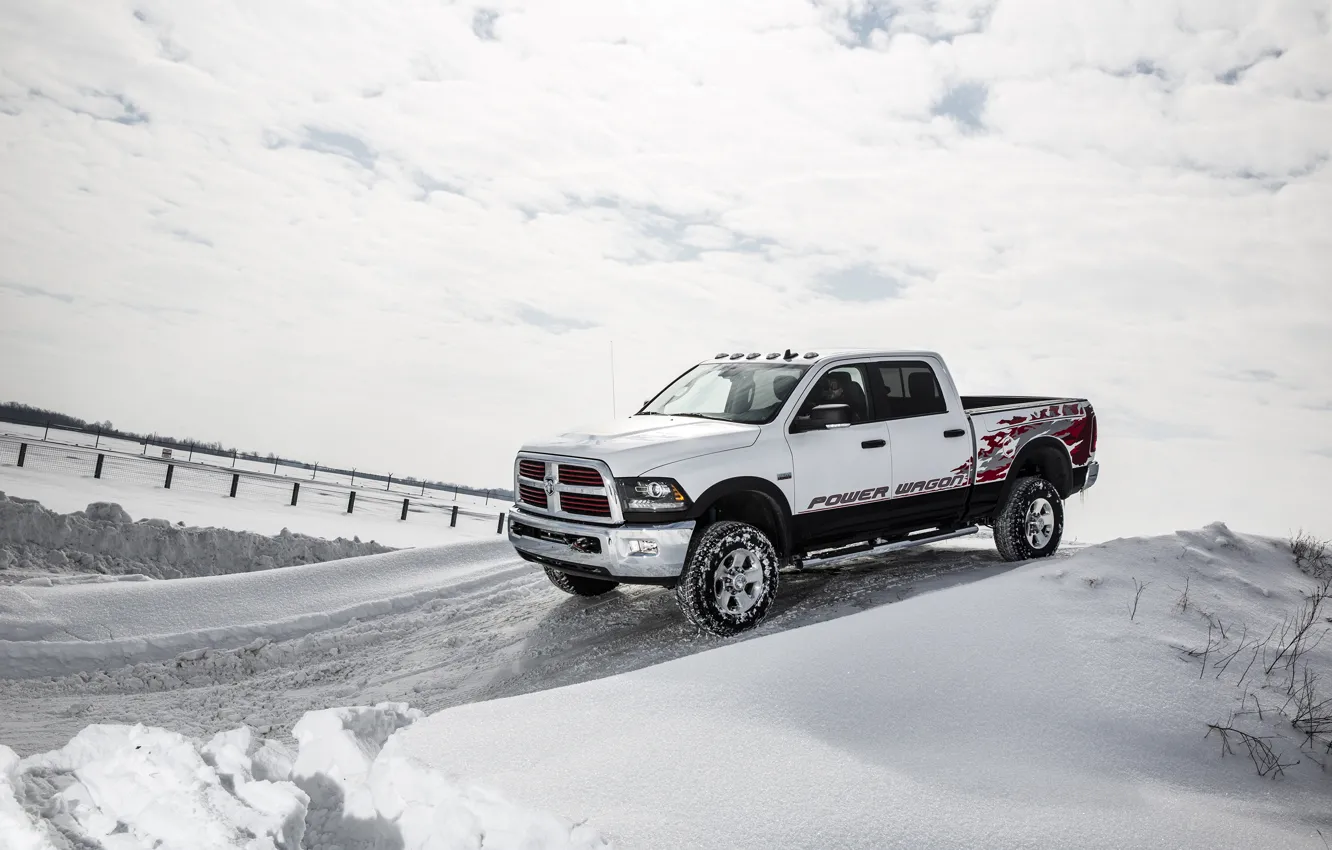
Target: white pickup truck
[(748, 462)]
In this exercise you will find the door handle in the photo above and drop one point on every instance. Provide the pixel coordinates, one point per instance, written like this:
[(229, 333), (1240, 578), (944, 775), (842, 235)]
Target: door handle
[(955, 432), (873, 444)]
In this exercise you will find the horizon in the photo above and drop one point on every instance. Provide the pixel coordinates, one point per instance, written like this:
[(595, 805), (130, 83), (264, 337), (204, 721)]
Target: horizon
[(413, 238)]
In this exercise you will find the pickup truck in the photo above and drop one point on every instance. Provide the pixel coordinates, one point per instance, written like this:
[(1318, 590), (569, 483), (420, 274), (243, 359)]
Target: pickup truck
[(748, 463)]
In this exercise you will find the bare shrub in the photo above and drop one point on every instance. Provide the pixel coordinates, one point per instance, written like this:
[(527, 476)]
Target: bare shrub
[(1311, 555), (1139, 586), (1265, 760)]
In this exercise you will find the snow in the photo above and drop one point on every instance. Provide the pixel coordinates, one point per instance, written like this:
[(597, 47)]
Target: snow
[(262, 507), (938, 697), (1025, 710), (39, 546), (129, 787), (68, 628)]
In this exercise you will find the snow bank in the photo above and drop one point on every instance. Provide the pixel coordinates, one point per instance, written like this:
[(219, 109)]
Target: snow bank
[(46, 631), (103, 539), (131, 787), (36, 542), (1033, 709)]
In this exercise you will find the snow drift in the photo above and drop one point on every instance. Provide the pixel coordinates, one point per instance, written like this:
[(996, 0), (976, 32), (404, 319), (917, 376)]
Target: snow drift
[(1034, 709), (39, 546), (132, 787)]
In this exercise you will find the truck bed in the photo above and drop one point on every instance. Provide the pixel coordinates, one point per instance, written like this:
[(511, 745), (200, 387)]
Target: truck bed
[(986, 403)]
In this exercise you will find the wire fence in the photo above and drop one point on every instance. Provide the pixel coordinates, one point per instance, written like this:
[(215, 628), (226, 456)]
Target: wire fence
[(171, 473), (191, 453)]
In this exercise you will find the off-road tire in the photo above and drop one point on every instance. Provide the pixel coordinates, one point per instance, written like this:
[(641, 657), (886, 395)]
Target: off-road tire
[(580, 585), (1011, 529), (698, 586)]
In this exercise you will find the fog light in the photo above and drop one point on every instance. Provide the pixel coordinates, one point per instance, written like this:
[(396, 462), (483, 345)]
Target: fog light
[(642, 547)]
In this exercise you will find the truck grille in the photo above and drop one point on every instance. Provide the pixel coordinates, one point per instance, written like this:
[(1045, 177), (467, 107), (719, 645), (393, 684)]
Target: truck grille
[(578, 490), (583, 505)]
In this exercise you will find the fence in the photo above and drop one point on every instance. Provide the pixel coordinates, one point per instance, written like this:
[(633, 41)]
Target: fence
[(173, 473), (173, 450)]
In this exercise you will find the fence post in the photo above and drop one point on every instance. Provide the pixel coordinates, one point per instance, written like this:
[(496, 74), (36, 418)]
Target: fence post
[(453, 520), (455, 494), (295, 492), (97, 473), (404, 508), (351, 501), (233, 458), (235, 482), (353, 481), (275, 460), (47, 432), (97, 444), (314, 472), (171, 467), (23, 453), (390, 481), (191, 455), (423, 488), (499, 529)]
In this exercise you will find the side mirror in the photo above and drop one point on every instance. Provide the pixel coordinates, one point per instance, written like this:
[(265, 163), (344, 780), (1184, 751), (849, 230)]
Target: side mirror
[(823, 417)]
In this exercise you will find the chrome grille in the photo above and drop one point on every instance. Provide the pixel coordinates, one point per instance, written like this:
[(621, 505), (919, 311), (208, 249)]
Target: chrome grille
[(558, 487)]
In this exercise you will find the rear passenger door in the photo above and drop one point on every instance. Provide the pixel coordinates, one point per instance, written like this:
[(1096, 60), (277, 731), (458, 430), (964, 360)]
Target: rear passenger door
[(930, 444)]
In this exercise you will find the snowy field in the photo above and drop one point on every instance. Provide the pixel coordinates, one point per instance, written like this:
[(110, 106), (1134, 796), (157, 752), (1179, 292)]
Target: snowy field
[(260, 507), (81, 439), (937, 698)]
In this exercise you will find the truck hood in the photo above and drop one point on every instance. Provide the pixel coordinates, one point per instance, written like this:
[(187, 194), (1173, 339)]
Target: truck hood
[(639, 444)]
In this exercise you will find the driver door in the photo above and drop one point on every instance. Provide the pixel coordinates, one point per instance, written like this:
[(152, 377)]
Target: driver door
[(842, 475)]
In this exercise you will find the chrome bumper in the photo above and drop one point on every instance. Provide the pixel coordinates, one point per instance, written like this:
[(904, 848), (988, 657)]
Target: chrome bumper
[(622, 551), (1093, 469)]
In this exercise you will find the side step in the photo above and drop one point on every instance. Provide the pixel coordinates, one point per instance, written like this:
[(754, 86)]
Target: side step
[(837, 557)]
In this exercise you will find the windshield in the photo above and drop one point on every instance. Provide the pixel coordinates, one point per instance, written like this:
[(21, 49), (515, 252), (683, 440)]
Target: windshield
[(734, 392)]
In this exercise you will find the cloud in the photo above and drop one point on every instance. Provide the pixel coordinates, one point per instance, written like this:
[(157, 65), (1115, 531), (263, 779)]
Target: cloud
[(859, 283), (546, 321), (286, 209), (36, 292)]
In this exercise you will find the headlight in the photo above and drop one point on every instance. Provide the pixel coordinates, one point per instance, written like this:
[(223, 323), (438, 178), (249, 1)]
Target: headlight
[(652, 494)]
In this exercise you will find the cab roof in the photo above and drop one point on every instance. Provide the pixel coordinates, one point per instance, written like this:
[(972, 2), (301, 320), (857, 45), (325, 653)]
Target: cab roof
[(816, 355)]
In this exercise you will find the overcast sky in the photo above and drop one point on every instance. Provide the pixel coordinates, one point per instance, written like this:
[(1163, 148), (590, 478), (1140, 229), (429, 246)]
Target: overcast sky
[(404, 236)]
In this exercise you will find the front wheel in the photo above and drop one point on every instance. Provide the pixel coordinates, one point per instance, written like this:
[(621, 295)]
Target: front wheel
[(729, 580), (1031, 522), (579, 585)]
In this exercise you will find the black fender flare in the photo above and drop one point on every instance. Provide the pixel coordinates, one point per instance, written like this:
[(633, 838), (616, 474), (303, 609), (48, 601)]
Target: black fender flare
[(1046, 447), (762, 487)]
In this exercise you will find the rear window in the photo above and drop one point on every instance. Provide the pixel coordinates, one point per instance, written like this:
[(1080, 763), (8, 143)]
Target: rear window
[(909, 389)]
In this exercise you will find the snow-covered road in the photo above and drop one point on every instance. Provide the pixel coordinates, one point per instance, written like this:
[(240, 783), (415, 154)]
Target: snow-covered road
[(433, 627)]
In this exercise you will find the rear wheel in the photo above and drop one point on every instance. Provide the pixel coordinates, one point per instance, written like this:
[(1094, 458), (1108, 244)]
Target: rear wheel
[(729, 579), (580, 585), (1031, 522)]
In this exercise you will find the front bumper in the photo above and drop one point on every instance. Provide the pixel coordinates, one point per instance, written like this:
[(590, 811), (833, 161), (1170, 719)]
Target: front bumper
[(628, 553)]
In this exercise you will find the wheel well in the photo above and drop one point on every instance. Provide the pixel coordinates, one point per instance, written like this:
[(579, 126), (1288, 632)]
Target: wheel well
[(1048, 459), (756, 509)]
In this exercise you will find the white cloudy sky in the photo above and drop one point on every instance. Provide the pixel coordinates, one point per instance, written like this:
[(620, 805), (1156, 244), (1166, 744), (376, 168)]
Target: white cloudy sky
[(405, 235)]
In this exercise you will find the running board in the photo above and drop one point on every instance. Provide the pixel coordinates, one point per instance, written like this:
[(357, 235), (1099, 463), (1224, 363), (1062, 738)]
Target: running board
[(838, 557)]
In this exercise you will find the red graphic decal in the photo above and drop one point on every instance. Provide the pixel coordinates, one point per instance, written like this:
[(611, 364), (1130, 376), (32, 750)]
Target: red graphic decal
[(1075, 437), (1016, 420), (996, 474)]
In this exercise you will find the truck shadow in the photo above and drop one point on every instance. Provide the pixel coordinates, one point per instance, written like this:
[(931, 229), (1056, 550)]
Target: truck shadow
[(634, 627)]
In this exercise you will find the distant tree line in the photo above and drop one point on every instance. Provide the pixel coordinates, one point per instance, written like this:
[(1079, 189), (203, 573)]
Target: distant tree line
[(24, 414)]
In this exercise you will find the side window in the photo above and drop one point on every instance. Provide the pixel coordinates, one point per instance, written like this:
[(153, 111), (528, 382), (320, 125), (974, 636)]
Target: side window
[(909, 388), (843, 385)]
